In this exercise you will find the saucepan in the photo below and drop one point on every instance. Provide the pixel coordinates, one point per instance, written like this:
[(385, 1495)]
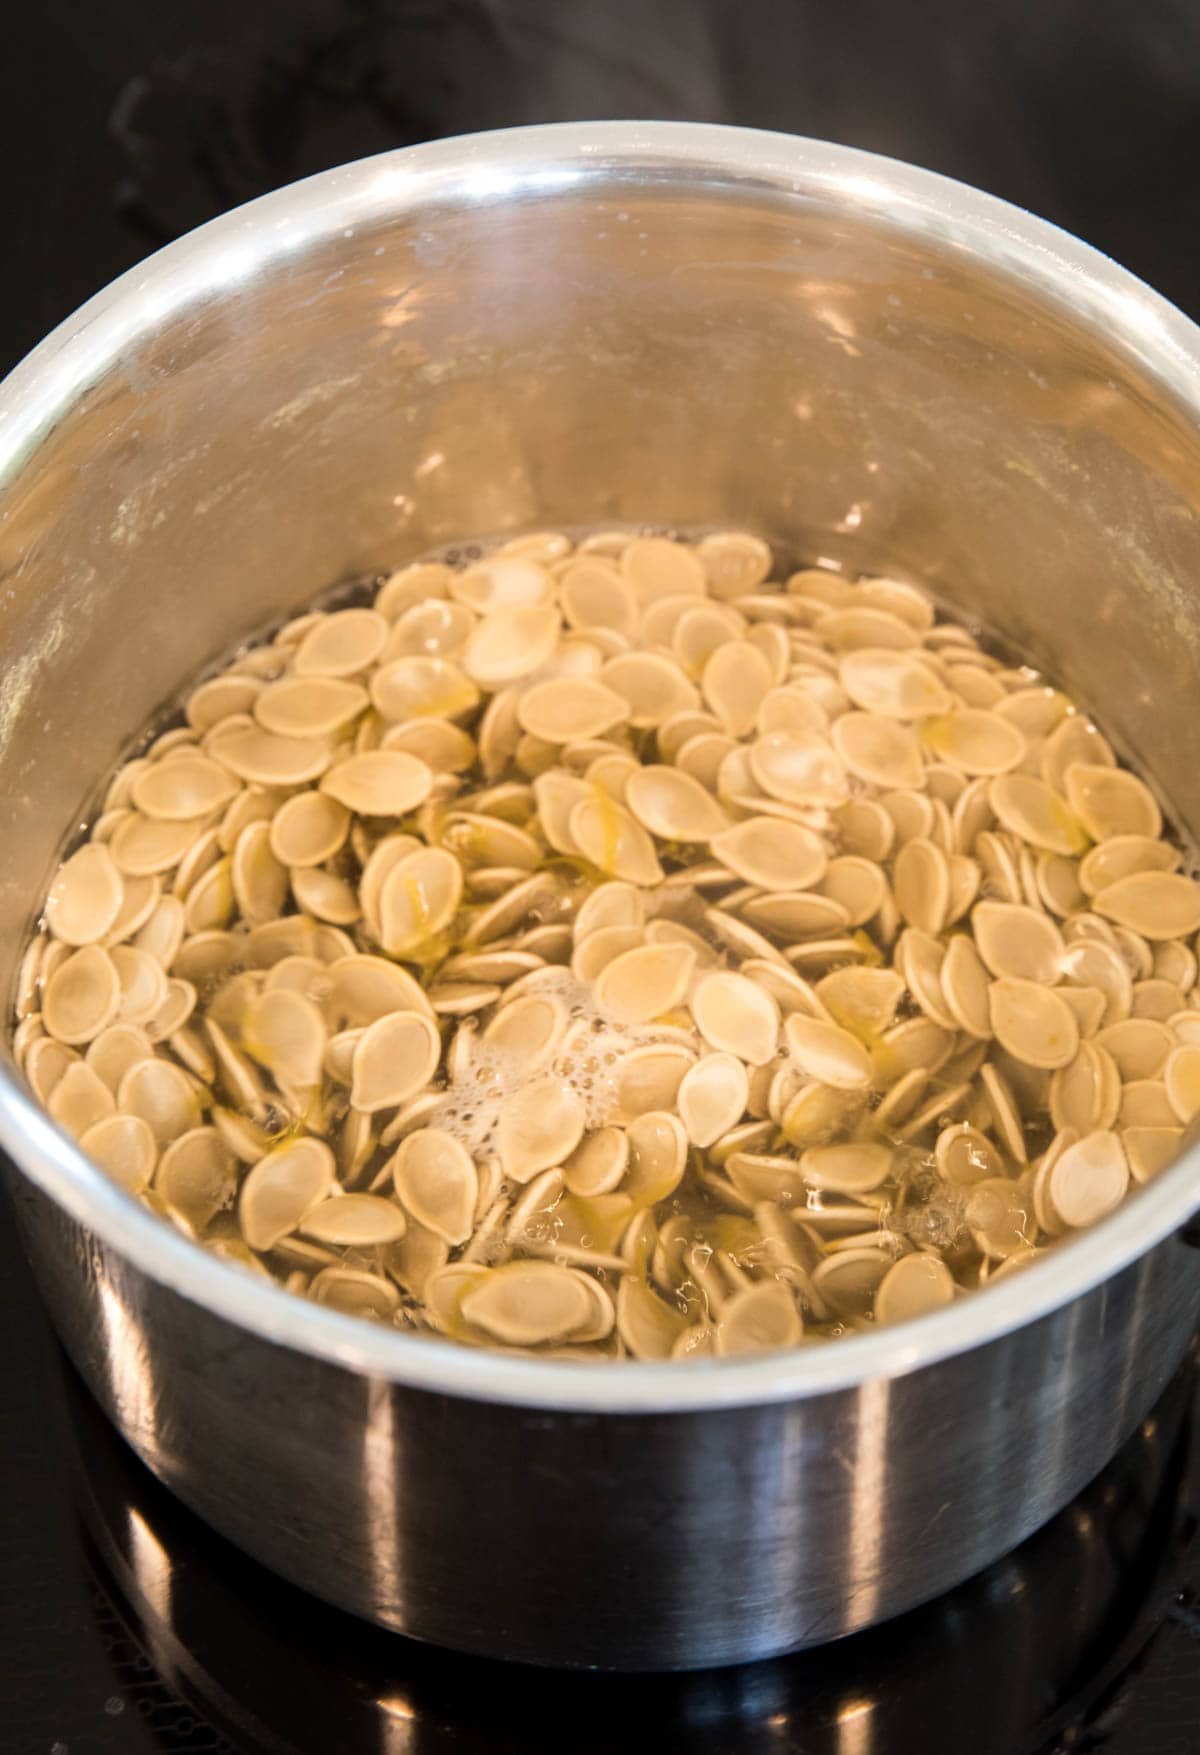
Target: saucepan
[(604, 323)]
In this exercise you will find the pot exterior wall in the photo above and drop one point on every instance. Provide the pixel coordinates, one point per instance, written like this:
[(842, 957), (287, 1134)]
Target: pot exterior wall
[(590, 325), (616, 1541)]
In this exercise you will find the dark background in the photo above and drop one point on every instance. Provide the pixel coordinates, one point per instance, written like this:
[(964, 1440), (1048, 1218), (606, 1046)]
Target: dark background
[(124, 123)]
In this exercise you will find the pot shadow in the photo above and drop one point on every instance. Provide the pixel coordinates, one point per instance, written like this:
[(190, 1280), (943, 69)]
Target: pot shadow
[(1047, 1641)]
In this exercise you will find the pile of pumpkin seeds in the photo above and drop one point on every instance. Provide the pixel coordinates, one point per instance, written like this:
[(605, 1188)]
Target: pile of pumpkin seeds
[(602, 950)]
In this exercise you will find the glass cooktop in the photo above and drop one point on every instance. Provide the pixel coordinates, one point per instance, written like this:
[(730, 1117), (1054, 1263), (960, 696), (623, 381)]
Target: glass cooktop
[(127, 1627)]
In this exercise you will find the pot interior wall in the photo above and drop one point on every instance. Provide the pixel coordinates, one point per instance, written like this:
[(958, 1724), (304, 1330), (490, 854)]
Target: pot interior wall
[(611, 350)]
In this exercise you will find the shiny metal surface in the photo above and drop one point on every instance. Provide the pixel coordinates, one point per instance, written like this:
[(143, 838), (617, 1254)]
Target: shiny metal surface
[(1016, 1659), (582, 324)]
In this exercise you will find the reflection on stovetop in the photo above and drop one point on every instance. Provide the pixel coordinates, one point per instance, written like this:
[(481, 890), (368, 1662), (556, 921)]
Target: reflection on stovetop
[(1040, 1652)]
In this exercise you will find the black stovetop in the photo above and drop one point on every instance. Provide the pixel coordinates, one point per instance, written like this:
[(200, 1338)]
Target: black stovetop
[(125, 1626)]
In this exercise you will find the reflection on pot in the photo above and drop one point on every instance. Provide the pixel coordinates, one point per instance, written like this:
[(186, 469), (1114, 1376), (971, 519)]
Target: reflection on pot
[(1040, 1642)]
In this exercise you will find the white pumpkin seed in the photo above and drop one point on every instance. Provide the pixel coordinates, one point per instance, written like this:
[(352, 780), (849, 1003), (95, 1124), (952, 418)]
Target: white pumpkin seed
[(649, 1327), (510, 643), (1111, 801), (1150, 1149), (263, 758), (914, 1286), (816, 782), (1181, 1078), (881, 751), (395, 1057), (281, 1189), (379, 783), (528, 1303), (772, 854), (1000, 1216), (828, 1053), (162, 1095), (712, 1097), (966, 1156), (615, 842), (657, 1155), (849, 1280), (975, 741), (1016, 940), (673, 805), (539, 1128), (194, 786), (356, 1221), (892, 682), (82, 996), (196, 1176), (642, 984), (1032, 1022), (1089, 1179), (736, 1016), (598, 1163), (80, 1099), (758, 1319), (417, 900), (124, 1148), (921, 885), (86, 896), (1156, 904), (852, 1168)]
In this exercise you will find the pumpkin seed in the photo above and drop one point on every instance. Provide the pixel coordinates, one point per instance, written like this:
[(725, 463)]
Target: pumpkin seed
[(736, 1016), (772, 854), (674, 806), (712, 1097), (541, 1125), (379, 783), (761, 1317), (529, 1303), (1150, 1149), (395, 1057), (1016, 940), (1089, 1179), (1157, 904), (914, 1286), (196, 1176), (194, 786), (642, 984), (80, 1099), (124, 1148), (82, 996), (649, 1327), (355, 1221), (687, 1074), (86, 896), (828, 1053)]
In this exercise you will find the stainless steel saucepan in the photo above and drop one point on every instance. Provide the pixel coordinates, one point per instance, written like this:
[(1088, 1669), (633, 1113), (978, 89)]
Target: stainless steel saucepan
[(572, 325)]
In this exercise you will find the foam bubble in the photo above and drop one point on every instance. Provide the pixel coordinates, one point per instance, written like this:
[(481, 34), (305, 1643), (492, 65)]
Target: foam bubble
[(586, 1059)]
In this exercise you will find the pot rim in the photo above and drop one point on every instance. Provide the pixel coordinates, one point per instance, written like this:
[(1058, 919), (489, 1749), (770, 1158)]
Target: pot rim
[(523, 163)]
